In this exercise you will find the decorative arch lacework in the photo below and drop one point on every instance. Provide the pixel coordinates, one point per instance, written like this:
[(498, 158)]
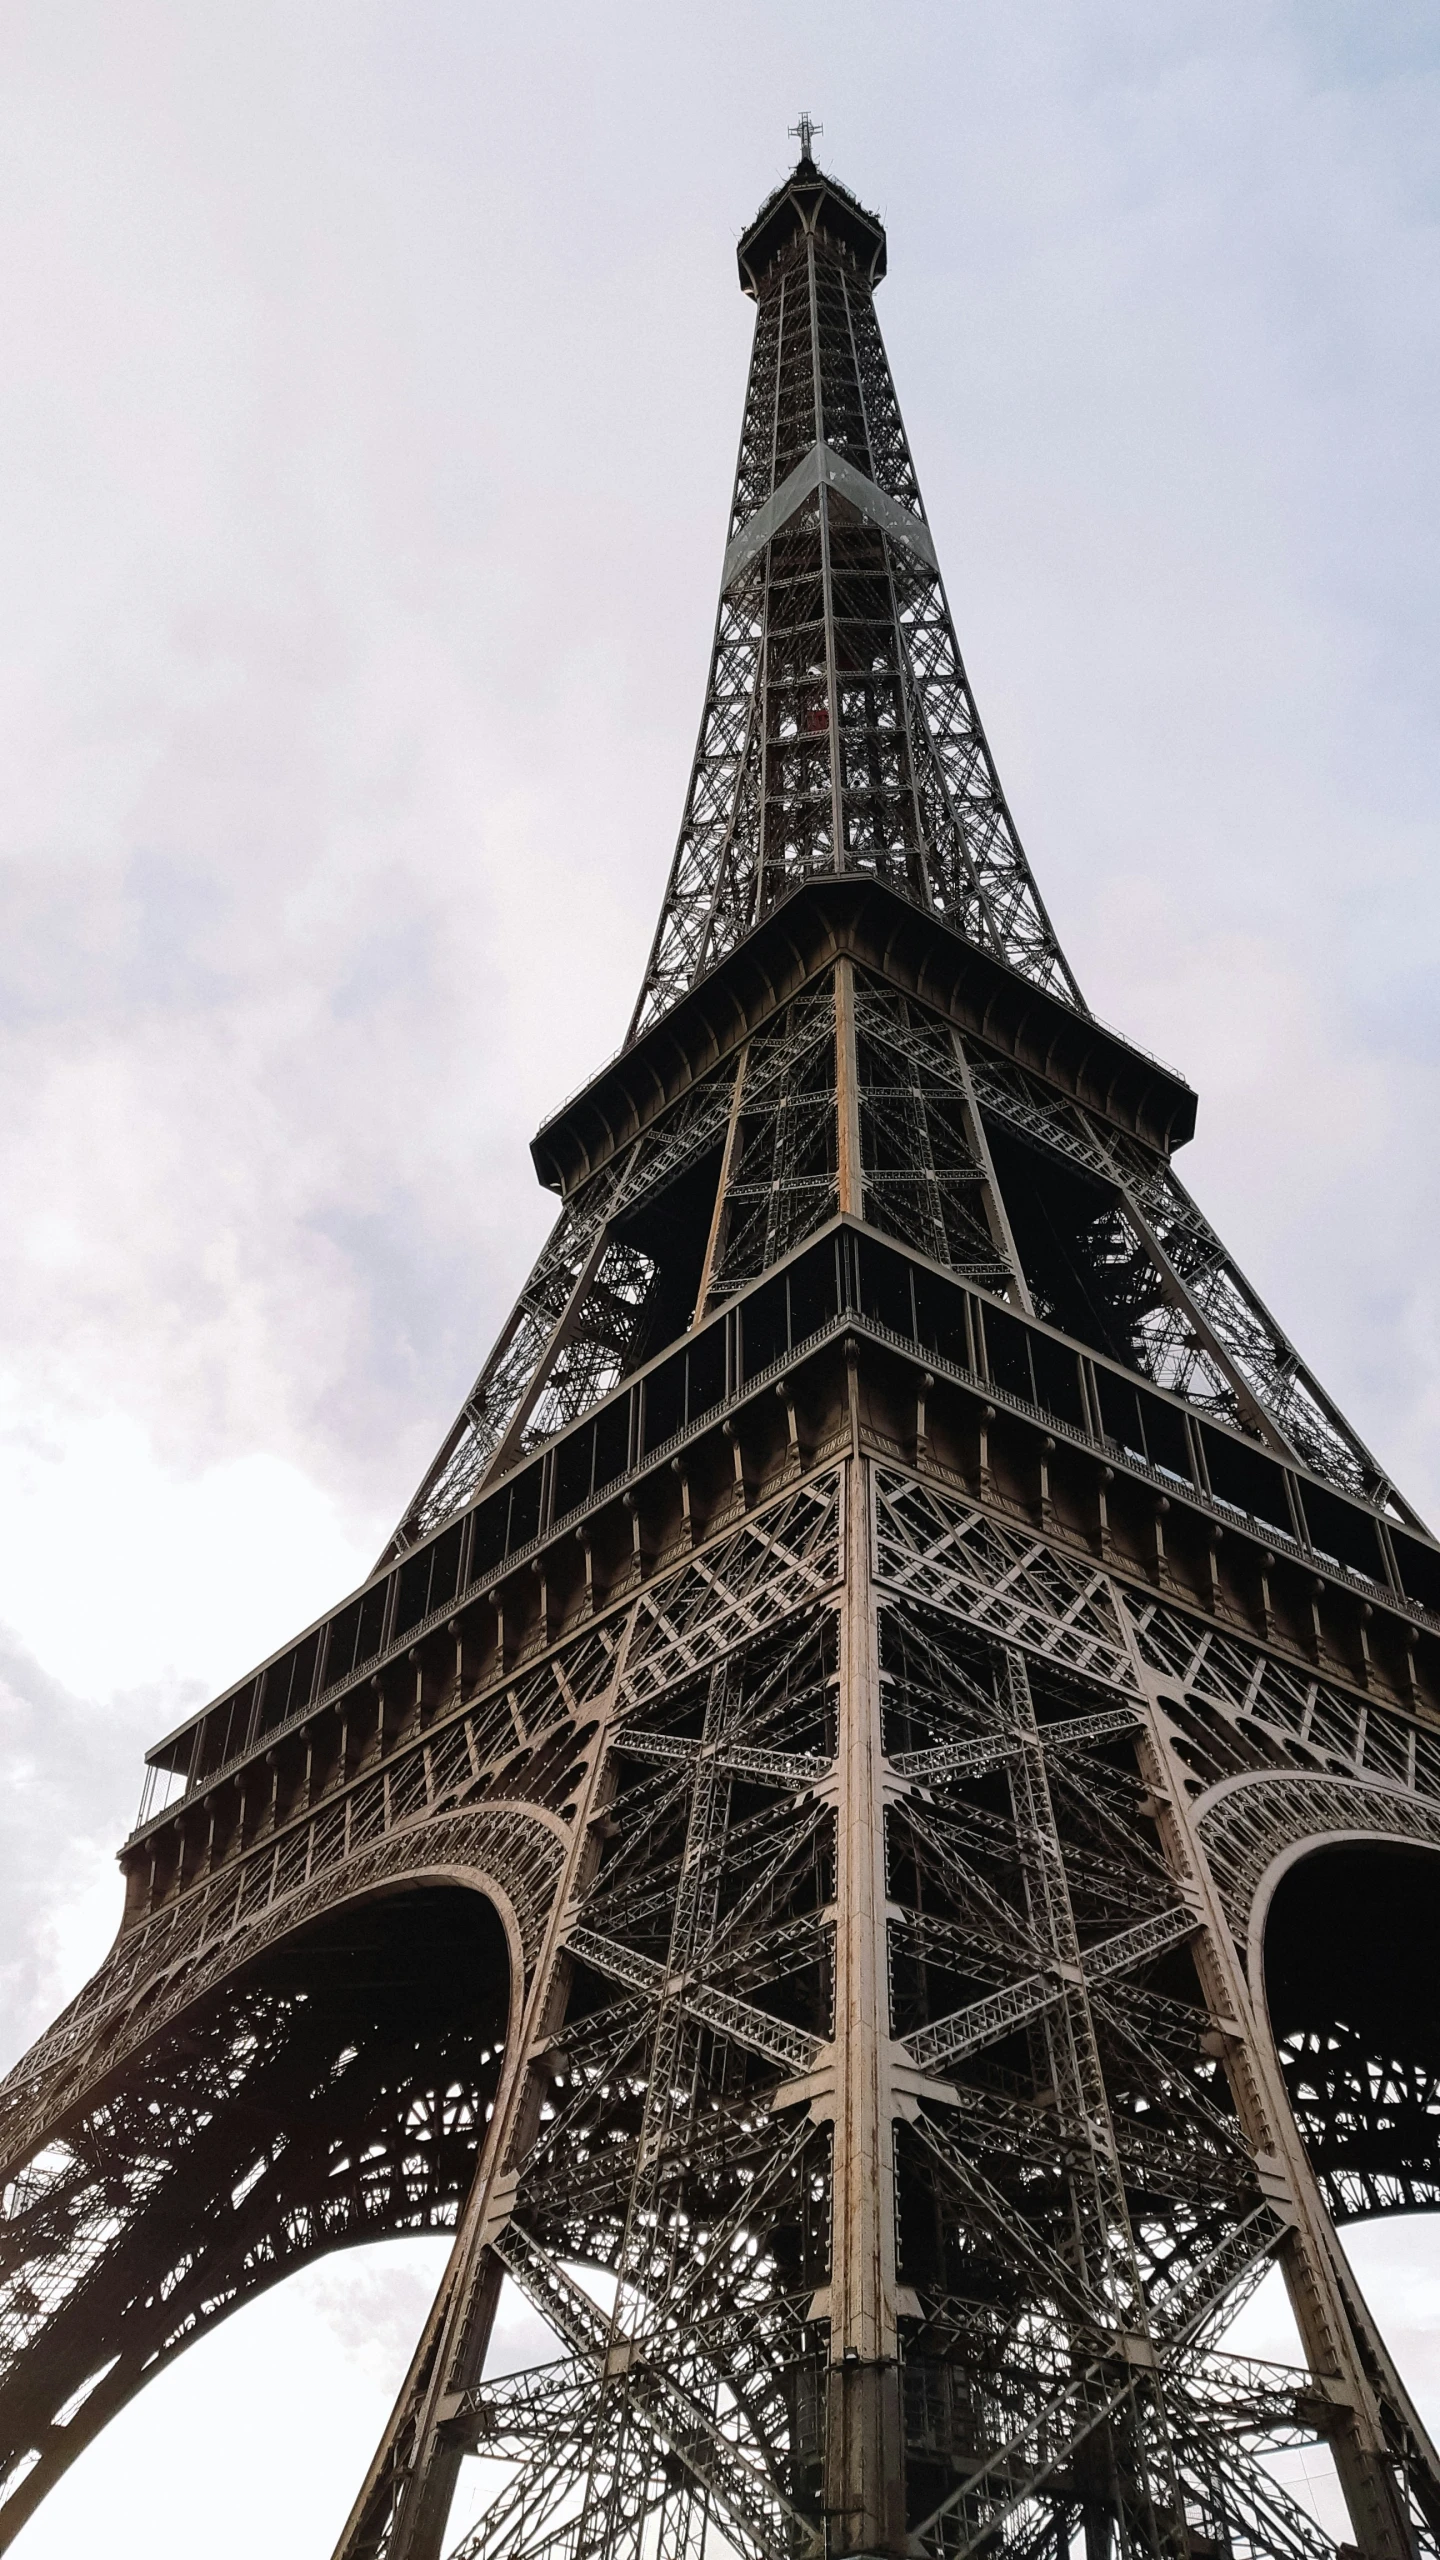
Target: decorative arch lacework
[(377, 1828), (191, 1950), (361, 1828), (1362, 2070), (1351, 1993), (336, 2090), (1285, 1712)]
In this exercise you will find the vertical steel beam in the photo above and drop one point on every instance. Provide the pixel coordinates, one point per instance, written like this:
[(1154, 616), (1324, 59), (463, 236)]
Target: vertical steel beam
[(847, 1095), (719, 1215), (997, 1217), (864, 2453)]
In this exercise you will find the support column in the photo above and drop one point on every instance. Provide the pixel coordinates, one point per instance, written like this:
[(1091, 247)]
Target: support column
[(849, 1166), (1356, 2433), (992, 1198), (404, 2504), (864, 2451), (720, 1215)]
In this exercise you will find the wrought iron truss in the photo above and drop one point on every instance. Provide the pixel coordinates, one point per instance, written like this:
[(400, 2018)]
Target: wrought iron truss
[(817, 1853), (839, 731), (967, 1156)]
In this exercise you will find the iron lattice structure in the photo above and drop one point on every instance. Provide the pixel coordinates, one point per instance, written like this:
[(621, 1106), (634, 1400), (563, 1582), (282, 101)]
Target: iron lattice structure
[(870, 1844)]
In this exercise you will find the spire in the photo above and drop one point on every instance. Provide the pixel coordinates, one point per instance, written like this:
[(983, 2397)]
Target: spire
[(840, 734), (804, 133)]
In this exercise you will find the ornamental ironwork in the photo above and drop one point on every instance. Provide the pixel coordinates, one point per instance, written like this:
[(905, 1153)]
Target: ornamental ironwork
[(871, 1843)]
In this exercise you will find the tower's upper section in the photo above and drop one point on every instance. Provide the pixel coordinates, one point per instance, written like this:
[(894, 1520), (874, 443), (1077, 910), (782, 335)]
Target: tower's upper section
[(839, 733), (810, 202)]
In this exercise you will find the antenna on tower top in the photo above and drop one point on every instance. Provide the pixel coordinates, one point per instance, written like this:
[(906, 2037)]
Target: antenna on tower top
[(804, 133)]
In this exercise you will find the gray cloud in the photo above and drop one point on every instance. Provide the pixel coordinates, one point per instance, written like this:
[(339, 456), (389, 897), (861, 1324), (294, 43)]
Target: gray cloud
[(366, 432), (68, 1797)]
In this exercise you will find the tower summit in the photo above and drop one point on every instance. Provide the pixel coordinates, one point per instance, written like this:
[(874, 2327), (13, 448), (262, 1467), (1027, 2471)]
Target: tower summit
[(872, 1844), (804, 133)]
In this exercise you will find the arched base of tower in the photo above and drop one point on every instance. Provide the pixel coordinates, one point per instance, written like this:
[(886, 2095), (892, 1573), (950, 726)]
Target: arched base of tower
[(333, 2092), (1352, 1973)]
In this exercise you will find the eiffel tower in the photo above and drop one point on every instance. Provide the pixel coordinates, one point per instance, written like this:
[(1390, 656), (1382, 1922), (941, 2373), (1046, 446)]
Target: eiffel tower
[(870, 1845)]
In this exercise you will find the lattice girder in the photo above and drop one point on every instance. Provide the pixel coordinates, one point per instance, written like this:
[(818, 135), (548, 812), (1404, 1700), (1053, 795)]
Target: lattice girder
[(839, 731), (332, 2094), (789, 1856), (859, 1094), (1080, 2187)]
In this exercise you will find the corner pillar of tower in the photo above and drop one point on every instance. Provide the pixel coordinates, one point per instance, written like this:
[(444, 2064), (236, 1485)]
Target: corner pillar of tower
[(1329, 2334), (864, 2440)]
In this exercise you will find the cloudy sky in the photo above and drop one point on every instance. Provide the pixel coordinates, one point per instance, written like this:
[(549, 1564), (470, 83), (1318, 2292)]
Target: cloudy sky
[(367, 418)]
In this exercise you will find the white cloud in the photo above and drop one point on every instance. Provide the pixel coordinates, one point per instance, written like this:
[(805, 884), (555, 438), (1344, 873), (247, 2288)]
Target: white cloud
[(307, 2373), (372, 379), (116, 1572)]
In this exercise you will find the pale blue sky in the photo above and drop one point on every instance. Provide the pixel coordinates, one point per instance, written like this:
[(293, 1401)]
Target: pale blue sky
[(367, 423)]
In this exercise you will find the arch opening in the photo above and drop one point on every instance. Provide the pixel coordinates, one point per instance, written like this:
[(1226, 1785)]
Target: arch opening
[(1352, 1982), (334, 2091)]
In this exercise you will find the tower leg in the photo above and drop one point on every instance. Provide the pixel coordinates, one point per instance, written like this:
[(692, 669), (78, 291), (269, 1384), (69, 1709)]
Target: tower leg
[(1365, 2462), (404, 2502), (403, 2506)]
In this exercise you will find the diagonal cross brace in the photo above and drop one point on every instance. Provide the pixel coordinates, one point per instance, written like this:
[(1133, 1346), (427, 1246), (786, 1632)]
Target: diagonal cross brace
[(747, 2496), (1092, 2403), (986, 1751), (789, 2046), (985, 2021)]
